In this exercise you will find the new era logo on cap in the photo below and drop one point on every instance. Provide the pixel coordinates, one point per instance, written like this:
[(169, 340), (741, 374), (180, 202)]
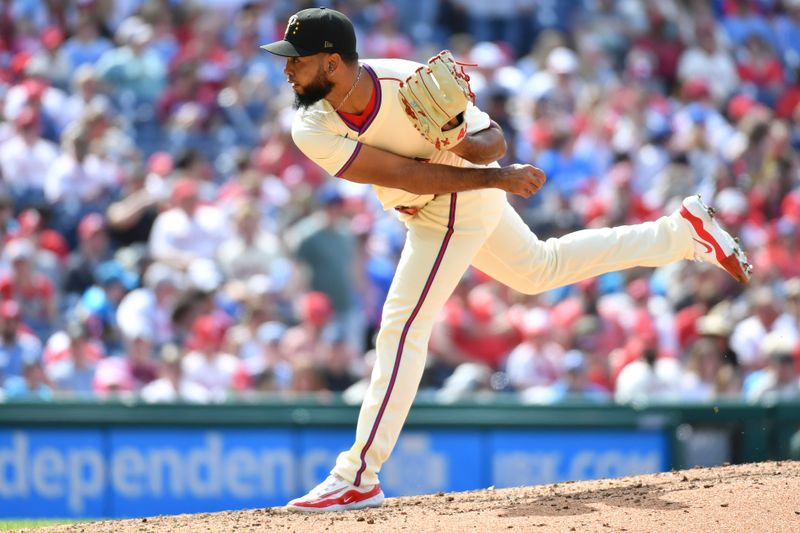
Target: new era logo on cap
[(315, 30)]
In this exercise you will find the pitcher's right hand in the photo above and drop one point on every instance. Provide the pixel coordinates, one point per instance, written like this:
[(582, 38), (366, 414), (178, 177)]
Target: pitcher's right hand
[(522, 180)]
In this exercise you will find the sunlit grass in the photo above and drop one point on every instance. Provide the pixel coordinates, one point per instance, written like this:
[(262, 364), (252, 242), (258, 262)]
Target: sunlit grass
[(8, 525)]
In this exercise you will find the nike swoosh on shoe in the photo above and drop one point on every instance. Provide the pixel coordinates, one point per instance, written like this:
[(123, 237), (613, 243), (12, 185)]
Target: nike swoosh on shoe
[(707, 246)]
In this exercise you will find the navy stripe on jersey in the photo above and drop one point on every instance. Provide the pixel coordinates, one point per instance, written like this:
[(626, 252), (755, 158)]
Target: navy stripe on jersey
[(349, 161), (350, 125), (378, 98), (376, 84)]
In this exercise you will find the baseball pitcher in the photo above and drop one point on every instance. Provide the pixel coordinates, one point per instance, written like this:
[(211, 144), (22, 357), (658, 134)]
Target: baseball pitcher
[(413, 132)]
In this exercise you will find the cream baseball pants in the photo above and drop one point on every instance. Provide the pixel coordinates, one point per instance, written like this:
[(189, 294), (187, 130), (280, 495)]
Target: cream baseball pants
[(444, 238)]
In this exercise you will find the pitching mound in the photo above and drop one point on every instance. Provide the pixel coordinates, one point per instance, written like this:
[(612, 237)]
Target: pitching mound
[(746, 498)]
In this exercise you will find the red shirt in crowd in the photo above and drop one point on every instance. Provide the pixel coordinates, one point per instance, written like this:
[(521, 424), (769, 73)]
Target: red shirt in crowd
[(762, 75), (33, 298)]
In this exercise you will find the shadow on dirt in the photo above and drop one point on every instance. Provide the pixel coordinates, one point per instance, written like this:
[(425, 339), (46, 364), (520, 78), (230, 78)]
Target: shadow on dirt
[(634, 496)]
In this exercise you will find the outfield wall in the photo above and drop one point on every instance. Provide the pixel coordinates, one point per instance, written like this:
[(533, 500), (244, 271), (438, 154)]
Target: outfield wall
[(117, 460)]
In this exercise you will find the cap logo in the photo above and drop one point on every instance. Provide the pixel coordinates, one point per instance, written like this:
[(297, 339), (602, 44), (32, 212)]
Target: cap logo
[(327, 44), (292, 27)]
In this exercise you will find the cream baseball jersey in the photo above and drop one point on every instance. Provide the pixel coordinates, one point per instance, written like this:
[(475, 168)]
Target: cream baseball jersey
[(333, 142), (447, 235)]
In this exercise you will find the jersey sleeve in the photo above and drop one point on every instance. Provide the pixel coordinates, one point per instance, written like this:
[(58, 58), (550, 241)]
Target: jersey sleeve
[(477, 120), (331, 151)]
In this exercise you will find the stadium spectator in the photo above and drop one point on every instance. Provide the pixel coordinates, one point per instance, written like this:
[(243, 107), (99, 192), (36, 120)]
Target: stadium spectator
[(325, 244), (170, 385), (337, 359), (787, 33), (31, 385), (307, 377), (131, 217), (554, 90), (185, 87), (476, 330), (25, 160), (52, 248), (35, 293), (135, 73), (760, 70), (17, 346), (791, 289), (242, 338), (573, 385), (707, 373), (742, 20), (99, 303), (707, 60), (206, 365), (113, 380), (749, 334), (251, 251), (662, 41), (92, 250), (467, 380), (277, 155), (779, 380), (86, 46), (536, 360), (568, 171), (85, 93), (151, 305), (648, 378), (166, 29), (72, 370), (778, 258), (7, 221), (355, 393), (253, 25), (79, 182), (717, 327), (35, 93), (314, 312), (188, 231), (386, 40), (194, 163), (267, 365), (140, 357), (52, 59), (76, 336)]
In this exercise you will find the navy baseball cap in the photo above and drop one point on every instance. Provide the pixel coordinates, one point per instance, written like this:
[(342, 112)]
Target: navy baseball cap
[(313, 31)]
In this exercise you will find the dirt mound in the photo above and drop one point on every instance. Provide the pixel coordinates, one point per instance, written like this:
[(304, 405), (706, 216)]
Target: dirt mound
[(746, 498)]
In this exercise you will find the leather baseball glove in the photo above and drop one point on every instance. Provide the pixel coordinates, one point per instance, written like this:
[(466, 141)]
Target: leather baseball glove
[(433, 96)]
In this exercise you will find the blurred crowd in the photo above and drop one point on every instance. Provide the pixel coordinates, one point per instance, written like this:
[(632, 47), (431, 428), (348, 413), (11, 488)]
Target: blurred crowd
[(163, 238)]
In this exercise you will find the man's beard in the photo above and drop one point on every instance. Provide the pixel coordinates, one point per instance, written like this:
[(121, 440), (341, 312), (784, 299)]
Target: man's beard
[(313, 93)]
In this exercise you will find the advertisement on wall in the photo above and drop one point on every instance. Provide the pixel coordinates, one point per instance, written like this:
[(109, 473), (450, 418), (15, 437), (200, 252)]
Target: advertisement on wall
[(130, 472)]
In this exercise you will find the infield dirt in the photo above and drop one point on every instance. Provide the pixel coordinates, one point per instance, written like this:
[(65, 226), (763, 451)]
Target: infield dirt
[(758, 498)]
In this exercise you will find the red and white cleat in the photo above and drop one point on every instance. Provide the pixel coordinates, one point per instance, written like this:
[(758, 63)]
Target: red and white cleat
[(712, 244), (336, 494)]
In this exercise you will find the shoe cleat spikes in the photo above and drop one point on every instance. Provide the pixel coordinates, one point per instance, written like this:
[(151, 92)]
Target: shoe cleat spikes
[(712, 244)]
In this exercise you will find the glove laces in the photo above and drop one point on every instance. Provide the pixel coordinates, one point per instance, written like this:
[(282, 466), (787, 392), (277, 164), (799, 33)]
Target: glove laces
[(461, 73)]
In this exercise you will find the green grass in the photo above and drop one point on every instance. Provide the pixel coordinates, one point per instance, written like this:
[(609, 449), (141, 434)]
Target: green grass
[(6, 525)]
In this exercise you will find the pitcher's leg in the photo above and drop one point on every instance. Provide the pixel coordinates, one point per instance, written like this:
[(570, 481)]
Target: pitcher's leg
[(516, 257), (430, 267)]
